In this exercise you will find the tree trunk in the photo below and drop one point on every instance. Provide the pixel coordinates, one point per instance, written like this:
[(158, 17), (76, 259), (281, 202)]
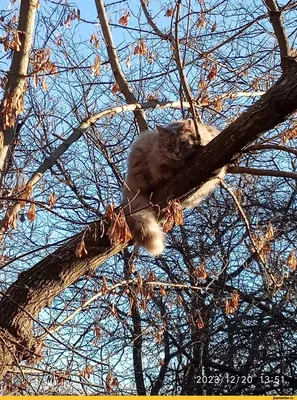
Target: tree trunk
[(15, 86)]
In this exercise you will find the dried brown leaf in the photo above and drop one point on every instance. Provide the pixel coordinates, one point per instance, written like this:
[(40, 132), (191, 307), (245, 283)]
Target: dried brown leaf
[(81, 248), (141, 49), (94, 40), (231, 305), (104, 288), (86, 372), (52, 200), (115, 382), (118, 230), (3, 82), (162, 291), (151, 276), (108, 382), (98, 334), (96, 67), (143, 304), (109, 210), (218, 105), (32, 212), (214, 27), (169, 12), (124, 19), (200, 323), (201, 22), (10, 219), (25, 195), (270, 232), (202, 84), (172, 215), (291, 260), (128, 62), (212, 72), (200, 272), (115, 89)]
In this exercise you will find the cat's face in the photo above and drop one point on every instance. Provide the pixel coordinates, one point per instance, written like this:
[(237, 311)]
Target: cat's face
[(178, 139)]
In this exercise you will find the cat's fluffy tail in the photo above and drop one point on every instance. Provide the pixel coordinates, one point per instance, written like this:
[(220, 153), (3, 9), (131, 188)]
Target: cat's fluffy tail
[(143, 224)]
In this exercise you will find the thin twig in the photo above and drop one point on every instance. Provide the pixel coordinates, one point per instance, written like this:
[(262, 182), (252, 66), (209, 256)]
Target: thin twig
[(250, 234)]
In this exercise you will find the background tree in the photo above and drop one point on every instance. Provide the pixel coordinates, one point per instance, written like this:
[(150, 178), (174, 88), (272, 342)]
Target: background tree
[(216, 313)]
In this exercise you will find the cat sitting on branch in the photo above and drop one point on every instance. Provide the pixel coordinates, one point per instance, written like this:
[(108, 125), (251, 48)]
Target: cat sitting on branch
[(155, 157)]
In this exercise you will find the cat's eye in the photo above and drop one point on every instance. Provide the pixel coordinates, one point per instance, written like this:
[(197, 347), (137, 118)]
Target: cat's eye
[(183, 143), (169, 145)]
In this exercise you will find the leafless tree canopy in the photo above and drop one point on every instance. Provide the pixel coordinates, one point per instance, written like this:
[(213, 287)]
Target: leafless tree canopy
[(82, 312)]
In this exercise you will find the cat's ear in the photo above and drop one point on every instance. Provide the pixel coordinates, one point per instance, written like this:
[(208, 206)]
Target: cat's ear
[(188, 123), (161, 130)]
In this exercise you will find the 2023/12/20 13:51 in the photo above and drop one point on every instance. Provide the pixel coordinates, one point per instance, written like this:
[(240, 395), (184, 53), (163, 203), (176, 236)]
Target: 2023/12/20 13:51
[(240, 379)]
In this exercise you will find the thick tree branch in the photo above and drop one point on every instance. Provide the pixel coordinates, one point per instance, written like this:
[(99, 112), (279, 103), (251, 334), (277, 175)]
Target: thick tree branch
[(116, 66), (270, 110)]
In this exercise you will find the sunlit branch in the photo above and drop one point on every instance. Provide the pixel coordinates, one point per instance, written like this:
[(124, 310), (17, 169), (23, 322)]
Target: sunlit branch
[(116, 66)]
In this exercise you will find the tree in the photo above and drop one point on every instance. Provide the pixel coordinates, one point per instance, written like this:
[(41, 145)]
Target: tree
[(201, 319)]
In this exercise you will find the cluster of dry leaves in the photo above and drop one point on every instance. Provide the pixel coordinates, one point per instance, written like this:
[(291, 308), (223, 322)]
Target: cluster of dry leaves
[(72, 15), (141, 49), (231, 304), (13, 105), (24, 197), (41, 64), (118, 230), (172, 215)]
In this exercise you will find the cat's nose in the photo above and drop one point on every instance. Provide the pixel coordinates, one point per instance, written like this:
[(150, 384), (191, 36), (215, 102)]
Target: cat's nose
[(177, 153)]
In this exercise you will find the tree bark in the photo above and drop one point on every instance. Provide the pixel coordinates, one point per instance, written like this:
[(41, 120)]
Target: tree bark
[(15, 86), (38, 286)]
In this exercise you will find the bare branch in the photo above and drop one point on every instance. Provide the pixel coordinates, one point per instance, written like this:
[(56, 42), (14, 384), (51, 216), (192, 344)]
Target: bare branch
[(277, 22), (151, 22), (262, 172), (258, 250), (257, 147), (116, 67), (176, 51), (180, 66)]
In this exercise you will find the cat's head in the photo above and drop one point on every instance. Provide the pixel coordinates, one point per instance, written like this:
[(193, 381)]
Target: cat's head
[(178, 139)]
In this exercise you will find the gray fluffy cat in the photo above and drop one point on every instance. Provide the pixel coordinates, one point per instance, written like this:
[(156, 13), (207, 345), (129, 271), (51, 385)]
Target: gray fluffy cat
[(154, 158)]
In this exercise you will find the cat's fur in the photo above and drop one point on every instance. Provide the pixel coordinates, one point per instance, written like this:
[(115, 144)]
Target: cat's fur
[(154, 158)]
